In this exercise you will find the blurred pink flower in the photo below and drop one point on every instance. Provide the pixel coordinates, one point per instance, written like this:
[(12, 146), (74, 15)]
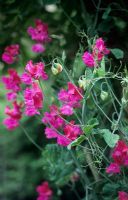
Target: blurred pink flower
[(122, 195), (11, 123), (14, 115), (10, 54), (26, 78), (44, 191), (113, 168), (40, 32), (38, 48), (66, 110), (50, 133), (13, 81), (11, 96), (120, 153)]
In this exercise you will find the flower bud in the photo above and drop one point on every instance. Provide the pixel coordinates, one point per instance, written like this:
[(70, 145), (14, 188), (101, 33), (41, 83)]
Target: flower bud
[(56, 68), (83, 82), (104, 95)]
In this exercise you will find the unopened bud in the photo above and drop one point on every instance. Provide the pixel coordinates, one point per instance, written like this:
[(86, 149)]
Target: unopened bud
[(104, 95), (56, 68)]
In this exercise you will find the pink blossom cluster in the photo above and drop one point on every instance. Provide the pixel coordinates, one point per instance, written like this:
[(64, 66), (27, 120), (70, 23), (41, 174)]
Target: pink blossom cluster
[(39, 34), (10, 54), (44, 191), (14, 115), (58, 127), (122, 195), (120, 158), (33, 95), (33, 99), (33, 71), (12, 83), (99, 50)]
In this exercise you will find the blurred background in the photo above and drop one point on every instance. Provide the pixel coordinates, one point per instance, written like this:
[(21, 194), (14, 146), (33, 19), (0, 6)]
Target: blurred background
[(21, 163)]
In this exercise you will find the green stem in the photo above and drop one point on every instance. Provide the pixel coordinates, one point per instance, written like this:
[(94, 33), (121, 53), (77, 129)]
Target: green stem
[(30, 139)]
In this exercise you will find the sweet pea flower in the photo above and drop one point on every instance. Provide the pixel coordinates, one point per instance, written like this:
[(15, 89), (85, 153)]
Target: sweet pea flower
[(53, 118), (72, 96), (33, 100), (40, 32), (14, 115), (66, 110), (88, 59), (26, 78), (113, 168), (36, 70), (44, 191), (10, 54), (122, 195), (13, 81), (50, 133), (38, 48)]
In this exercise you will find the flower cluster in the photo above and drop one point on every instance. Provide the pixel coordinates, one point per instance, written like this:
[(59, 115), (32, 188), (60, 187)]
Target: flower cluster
[(33, 95), (33, 98), (44, 191), (14, 115), (122, 195), (39, 34), (12, 83), (99, 50), (120, 158), (64, 132), (34, 71), (10, 54)]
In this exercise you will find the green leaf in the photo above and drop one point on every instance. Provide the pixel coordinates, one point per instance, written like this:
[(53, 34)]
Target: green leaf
[(76, 142), (90, 125), (106, 13), (118, 53), (110, 138)]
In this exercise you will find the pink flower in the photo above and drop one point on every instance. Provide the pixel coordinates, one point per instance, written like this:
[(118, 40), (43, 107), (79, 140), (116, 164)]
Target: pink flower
[(11, 123), (120, 153), (36, 70), (50, 133), (113, 168), (40, 32), (72, 131), (53, 118), (66, 110), (15, 112), (26, 78), (33, 100), (122, 195), (44, 191), (62, 140), (38, 48), (11, 96), (72, 96), (88, 59), (13, 81), (99, 49), (14, 115), (10, 54)]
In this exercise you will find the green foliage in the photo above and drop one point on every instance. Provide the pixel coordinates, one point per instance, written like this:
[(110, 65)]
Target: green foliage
[(58, 165), (110, 138), (118, 53)]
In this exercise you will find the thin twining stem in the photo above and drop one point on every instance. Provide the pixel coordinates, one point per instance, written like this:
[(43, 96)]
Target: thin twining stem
[(101, 109), (118, 120), (30, 139)]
